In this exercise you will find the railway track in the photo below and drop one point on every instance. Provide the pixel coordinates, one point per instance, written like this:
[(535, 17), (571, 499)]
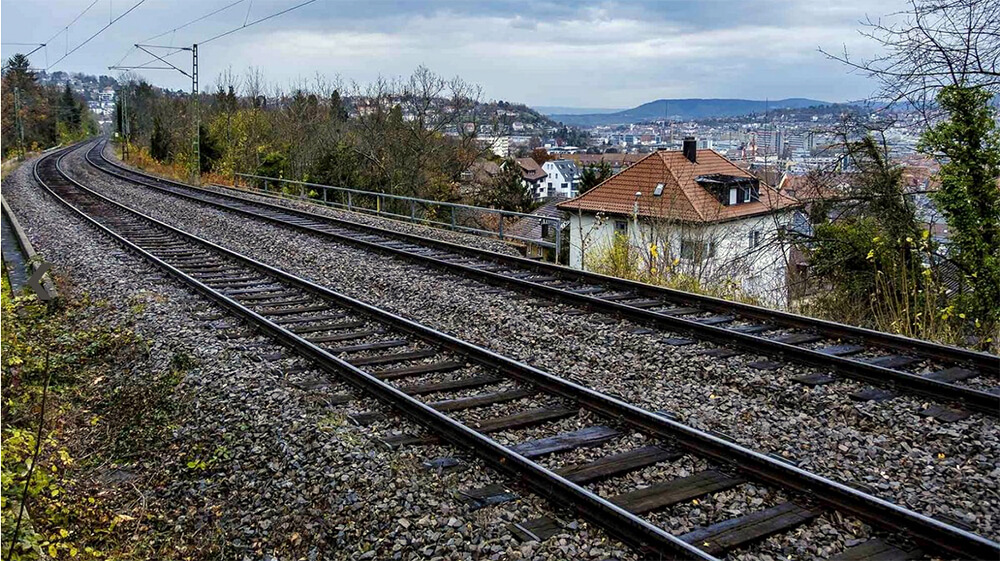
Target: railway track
[(890, 363), (437, 380)]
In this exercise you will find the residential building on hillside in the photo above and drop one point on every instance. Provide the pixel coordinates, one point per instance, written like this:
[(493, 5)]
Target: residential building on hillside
[(562, 180), (532, 175), (689, 212)]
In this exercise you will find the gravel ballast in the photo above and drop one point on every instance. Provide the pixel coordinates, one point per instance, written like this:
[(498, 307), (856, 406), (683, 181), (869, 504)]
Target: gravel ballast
[(934, 468), (260, 465)]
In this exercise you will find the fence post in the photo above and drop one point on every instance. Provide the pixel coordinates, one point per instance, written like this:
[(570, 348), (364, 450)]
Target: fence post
[(558, 240), (453, 224), (324, 196), (350, 203), (500, 229)]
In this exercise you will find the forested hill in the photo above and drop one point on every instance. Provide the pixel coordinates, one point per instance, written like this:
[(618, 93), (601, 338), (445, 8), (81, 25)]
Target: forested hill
[(686, 109)]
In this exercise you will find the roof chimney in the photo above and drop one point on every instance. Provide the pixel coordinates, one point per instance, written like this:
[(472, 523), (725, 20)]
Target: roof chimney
[(691, 149)]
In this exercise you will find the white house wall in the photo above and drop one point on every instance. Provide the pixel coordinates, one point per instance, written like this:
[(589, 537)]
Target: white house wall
[(761, 272)]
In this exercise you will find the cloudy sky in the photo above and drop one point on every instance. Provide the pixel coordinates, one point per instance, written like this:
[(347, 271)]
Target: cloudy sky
[(579, 53)]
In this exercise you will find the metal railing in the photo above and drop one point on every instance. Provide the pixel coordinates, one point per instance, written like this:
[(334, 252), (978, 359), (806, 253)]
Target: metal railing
[(456, 216)]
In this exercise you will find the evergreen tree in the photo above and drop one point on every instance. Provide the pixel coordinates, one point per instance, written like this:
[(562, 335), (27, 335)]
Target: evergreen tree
[(208, 148), (968, 147), (507, 190), (337, 111), (70, 113), (19, 73), (594, 175), (159, 143)]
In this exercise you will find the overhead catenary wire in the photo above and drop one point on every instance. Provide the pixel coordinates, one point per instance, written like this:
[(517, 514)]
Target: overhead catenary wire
[(99, 31), (194, 21), (219, 36), (176, 29), (65, 28), (255, 22), (33, 51)]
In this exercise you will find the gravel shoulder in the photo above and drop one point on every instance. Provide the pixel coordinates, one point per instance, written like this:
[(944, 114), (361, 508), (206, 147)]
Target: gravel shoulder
[(950, 470), (260, 464)]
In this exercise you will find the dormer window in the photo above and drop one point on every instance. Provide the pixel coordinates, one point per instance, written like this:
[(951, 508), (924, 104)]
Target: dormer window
[(659, 190), (730, 189)]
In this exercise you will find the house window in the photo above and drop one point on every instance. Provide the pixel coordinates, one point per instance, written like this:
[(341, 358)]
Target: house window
[(755, 237), (565, 185), (733, 196), (696, 250), (621, 227), (747, 195)]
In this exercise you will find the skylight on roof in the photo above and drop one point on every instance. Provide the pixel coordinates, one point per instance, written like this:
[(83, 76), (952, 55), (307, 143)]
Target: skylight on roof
[(659, 190)]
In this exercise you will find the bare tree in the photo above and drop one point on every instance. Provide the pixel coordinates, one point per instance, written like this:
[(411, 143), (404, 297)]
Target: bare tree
[(932, 44)]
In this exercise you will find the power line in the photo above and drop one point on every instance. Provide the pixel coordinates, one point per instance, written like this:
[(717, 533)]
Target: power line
[(38, 46), (179, 27), (101, 30), (255, 22), (194, 21), (77, 18)]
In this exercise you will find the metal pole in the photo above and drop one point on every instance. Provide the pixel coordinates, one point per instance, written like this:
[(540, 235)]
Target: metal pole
[(125, 124), (500, 229), (413, 211), (20, 123), (350, 204), (558, 239), (195, 110)]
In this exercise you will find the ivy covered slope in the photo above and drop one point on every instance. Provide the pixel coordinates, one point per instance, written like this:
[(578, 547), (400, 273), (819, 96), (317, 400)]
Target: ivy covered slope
[(66, 365)]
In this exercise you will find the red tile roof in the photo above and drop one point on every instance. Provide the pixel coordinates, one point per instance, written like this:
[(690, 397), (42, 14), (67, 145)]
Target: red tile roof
[(814, 187), (682, 199), (614, 160)]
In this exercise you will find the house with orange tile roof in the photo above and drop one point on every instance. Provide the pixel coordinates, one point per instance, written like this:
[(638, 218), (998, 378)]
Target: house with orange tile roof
[(690, 212)]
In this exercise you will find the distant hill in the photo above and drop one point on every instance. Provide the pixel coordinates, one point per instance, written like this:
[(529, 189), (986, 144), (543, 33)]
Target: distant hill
[(559, 110), (684, 109)]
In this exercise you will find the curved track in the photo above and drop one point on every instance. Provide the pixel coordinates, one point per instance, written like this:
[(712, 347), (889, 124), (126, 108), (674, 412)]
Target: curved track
[(381, 354), (897, 363)]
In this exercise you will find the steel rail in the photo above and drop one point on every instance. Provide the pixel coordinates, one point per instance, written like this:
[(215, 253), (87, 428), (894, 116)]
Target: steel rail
[(878, 512), (832, 329), (984, 402), (627, 526)]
